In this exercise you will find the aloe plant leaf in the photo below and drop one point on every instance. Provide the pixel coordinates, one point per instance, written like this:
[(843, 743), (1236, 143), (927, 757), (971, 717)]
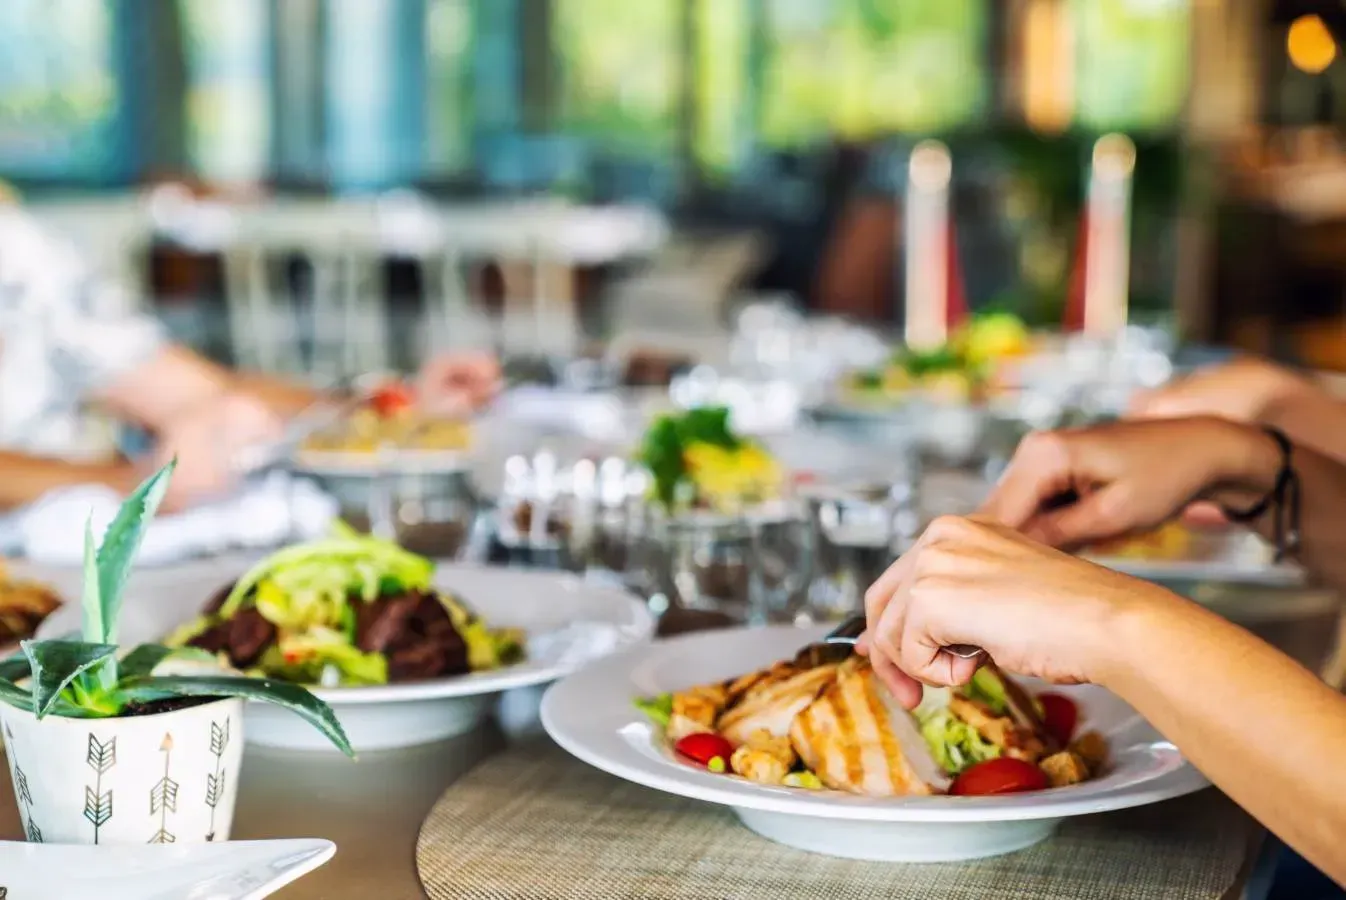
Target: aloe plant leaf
[(15, 667), (15, 696), (57, 663), (120, 543), (142, 660), (288, 696), (91, 603)]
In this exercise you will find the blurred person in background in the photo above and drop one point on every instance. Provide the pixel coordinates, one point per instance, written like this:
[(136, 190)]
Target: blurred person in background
[(1260, 726), (68, 344)]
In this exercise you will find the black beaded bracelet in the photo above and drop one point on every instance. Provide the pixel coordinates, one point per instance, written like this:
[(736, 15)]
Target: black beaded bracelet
[(1282, 499)]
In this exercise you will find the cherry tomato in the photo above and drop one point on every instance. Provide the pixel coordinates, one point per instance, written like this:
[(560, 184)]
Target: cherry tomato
[(392, 398), (1060, 715), (999, 776), (710, 750)]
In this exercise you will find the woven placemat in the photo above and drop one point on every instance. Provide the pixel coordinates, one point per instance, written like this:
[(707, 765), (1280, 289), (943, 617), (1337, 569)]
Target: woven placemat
[(535, 824)]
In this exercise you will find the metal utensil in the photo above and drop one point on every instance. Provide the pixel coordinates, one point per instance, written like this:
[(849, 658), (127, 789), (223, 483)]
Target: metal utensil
[(840, 642), (848, 632)]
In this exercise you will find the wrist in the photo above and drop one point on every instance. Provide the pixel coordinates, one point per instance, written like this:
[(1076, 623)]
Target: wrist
[(1246, 462), (1139, 618)]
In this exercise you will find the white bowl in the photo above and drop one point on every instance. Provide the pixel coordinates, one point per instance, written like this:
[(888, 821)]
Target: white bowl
[(567, 621), (591, 715)]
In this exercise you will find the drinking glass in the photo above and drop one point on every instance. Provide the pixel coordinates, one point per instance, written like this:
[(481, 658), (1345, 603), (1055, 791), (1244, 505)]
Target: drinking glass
[(781, 566), (710, 559), (428, 511), (857, 533)]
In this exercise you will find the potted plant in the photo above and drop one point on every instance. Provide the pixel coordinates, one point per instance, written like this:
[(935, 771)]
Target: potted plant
[(140, 747)]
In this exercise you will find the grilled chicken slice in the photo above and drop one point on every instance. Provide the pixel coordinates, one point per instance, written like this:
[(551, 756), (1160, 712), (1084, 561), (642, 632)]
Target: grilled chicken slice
[(772, 707), (857, 738), (1016, 742)]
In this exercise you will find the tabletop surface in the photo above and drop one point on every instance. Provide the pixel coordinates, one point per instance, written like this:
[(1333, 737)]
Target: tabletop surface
[(371, 808)]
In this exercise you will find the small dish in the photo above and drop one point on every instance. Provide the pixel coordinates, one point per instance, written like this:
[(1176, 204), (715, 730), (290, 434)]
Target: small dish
[(236, 870)]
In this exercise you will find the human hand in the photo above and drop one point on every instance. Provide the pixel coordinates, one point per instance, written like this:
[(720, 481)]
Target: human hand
[(455, 384), (1034, 610), (1242, 390), (1129, 477), (209, 443)]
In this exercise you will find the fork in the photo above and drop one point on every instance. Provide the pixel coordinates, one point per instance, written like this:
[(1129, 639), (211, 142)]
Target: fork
[(848, 632)]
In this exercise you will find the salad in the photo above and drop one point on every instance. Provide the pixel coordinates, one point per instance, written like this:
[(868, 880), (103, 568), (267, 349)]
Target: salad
[(960, 371), (345, 611), (698, 462), (834, 726), (390, 416)]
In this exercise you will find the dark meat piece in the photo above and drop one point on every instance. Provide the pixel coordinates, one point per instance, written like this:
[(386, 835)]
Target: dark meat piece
[(379, 623), (243, 638), (416, 634)]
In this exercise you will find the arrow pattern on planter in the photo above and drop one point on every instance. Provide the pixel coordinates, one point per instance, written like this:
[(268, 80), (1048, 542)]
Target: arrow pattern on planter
[(164, 796), (101, 756), (219, 742), (23, 792)]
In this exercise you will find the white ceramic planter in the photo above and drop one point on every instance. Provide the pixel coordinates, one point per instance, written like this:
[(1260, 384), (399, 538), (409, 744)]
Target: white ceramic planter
[(165, 778)]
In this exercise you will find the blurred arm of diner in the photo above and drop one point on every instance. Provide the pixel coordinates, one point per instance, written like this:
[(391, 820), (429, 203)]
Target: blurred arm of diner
[(1258, 392), (27, 478), (176, 382)]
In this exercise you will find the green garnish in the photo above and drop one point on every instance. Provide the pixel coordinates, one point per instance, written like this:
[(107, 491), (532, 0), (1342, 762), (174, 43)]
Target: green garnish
[(658, 709), (664, 447)]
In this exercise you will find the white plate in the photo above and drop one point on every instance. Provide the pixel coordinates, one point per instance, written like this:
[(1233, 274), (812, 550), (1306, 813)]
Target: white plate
[(237, 870), (568, 622), (591, 715), (1231, 557), (347, 464)]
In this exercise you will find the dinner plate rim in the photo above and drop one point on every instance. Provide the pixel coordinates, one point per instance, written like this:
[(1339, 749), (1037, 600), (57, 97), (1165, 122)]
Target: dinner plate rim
[(624, 761)]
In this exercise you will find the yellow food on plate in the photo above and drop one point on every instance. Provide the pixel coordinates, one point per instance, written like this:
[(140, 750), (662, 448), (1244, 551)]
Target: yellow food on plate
[(23, 606), (390, 417), (1170, 541)]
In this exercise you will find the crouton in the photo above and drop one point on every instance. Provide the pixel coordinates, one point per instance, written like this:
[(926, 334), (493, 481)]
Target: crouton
[(1091, 747), (1064, 768), (760, 766)]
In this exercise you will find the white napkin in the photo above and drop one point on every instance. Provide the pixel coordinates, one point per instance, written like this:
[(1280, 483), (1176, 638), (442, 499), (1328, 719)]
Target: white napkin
[(267, 513)]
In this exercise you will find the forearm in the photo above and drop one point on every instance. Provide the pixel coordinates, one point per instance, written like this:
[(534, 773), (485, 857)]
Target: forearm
[(1261, 727), (25, 478), (285, 398), (1310, 417), (178, 383)]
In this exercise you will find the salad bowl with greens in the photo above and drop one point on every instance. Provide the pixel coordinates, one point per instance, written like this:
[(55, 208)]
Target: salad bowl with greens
[(85, 720), (403, 650)]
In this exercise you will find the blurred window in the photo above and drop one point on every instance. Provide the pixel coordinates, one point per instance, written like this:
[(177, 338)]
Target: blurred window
[(373, 65), (722, 48), (621, 72), (227, 47), (59, 103), (859, 68), (450, 51), (1132, 61)]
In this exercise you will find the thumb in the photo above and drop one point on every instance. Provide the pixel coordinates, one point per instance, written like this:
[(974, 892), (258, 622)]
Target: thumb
[(1097, 516)]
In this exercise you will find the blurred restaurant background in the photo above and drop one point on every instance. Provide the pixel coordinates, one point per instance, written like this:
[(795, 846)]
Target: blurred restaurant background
[(301, 185)]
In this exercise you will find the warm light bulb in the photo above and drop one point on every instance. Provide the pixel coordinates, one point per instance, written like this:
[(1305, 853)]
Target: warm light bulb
[(1310, 45)]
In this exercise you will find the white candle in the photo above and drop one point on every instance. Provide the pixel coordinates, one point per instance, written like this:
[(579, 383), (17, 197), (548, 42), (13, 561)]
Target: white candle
[(1108, 254), (926, 235)]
